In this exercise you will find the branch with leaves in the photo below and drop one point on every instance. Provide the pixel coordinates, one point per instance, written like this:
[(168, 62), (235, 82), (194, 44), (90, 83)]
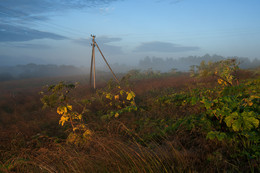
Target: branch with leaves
[(225, 71)]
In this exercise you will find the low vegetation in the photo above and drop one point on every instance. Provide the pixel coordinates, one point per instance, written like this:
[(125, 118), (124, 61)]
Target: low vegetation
[(203, 121)]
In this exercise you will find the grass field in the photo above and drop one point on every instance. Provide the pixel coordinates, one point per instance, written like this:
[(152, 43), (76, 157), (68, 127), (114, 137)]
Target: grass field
[(169, 130)]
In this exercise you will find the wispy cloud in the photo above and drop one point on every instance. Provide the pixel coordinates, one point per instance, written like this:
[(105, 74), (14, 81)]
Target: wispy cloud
[(158, 46), (21, 9), (17, 16), (106, 10), (11, 33)]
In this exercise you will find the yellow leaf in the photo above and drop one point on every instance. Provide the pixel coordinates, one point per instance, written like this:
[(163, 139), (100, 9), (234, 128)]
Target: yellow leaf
[(75, 128), (116, 97), (59, 111), (109, 96), (87, 132), (254, 97), (69, 107), (80, 117), (220, 81), (130, 95), (121, 92), (117, 115), (63, 119), (62, 110)]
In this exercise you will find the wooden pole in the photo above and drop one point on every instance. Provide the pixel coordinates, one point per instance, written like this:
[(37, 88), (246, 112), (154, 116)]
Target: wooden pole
[(91, 68), (107, 63), (94, 59), (94, 65)]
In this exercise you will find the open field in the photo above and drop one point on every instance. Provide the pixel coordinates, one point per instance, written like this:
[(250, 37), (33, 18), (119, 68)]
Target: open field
[(168, 130)]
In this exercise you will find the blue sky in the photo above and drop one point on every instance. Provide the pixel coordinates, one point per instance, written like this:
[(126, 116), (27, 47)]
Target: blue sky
[(58, 31)]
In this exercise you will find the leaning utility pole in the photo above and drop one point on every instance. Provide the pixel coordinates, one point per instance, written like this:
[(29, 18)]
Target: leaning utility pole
[(93, 62), (93, 66)]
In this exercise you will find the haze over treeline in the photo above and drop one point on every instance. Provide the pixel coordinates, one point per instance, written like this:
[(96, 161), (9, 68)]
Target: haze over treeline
[(152, 63)]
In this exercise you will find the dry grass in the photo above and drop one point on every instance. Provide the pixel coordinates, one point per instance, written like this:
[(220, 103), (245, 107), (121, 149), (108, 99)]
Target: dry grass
[(32, 141), (101, 154)]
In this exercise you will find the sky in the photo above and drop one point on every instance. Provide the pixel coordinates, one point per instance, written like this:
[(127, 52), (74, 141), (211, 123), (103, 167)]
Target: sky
[(59, 31)]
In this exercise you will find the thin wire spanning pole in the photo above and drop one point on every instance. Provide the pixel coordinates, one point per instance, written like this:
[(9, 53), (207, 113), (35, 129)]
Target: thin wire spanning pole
[(107, 63)]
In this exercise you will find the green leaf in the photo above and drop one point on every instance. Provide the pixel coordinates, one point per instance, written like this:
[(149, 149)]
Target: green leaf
[(221, 136), (236, 126), (193, 100), (250, 122), (207, 104), (211, 135), (230, 119)]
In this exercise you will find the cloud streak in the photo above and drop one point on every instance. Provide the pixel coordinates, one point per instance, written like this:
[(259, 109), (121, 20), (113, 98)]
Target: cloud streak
[(21, 9), (11, 33), (158, 46), (16, 16)]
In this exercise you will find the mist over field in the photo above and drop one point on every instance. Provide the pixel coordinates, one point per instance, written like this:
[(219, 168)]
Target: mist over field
[(148, 63)]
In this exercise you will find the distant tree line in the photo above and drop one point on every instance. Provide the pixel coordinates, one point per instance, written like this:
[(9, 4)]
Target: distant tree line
[(147, 64), (183, 64)]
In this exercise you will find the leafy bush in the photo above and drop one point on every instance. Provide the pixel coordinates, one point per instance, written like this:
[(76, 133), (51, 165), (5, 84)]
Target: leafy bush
[(59, 96), (225, 71), (113, 99), (232, 109)]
